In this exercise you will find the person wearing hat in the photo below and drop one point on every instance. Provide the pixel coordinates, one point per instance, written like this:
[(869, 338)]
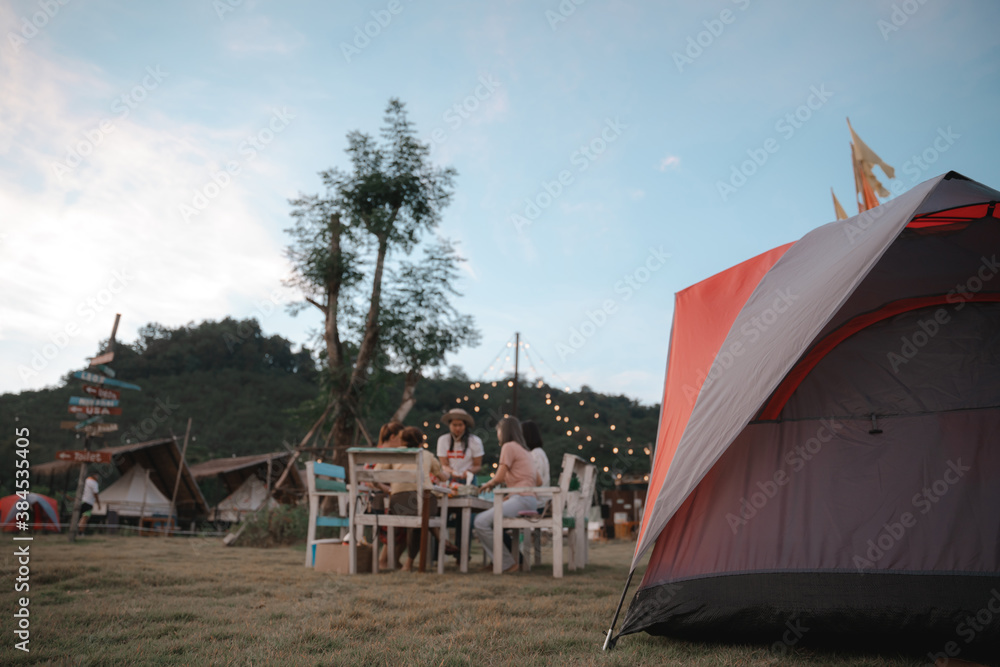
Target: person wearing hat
[(460, 451)]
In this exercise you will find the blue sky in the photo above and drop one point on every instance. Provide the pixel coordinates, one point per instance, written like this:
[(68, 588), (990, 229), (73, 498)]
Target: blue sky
[(622, 122)]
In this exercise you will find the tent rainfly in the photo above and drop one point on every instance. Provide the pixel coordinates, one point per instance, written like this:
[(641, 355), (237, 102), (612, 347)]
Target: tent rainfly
[(250, 482), (828, 454)]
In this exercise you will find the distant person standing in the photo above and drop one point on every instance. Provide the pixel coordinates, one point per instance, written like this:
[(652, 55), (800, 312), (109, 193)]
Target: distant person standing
[(459, 450), (90, 500)]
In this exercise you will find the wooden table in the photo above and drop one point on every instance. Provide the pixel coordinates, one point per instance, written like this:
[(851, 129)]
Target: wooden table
[(467, 504)]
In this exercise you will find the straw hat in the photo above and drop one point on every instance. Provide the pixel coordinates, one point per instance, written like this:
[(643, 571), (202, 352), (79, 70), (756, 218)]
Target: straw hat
[(458, 413)]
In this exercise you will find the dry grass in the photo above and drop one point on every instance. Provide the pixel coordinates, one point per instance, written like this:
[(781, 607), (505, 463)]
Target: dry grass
[(176, 601)]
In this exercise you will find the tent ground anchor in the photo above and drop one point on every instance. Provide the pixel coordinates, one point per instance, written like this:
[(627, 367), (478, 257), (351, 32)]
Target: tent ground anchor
[(612, 639)]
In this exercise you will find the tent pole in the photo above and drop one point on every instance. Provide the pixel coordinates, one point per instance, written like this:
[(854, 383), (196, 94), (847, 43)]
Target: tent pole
[(180, 470), (610, 641)]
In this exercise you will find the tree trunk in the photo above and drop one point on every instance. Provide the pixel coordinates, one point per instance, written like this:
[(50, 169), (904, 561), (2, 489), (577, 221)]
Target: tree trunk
[(331, 334), (409, 399), (366, 352), (344, 425), (343, 434)]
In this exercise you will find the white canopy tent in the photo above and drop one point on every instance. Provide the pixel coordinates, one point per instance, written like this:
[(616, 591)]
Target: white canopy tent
[(134, 495)]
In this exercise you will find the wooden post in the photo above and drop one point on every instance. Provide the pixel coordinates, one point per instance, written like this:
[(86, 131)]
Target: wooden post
[(180, 469), (269, 464), (517, 349), (86, 445)]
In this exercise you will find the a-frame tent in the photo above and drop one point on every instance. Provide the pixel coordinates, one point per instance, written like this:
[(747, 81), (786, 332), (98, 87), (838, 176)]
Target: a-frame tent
[(134, 495), (250, 482), (166, 471), (828, 454)]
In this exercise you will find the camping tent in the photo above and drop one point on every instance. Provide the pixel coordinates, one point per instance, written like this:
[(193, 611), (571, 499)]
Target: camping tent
[(249, 497), (828, 454), (42, 512), (134, 494), (236, 473)]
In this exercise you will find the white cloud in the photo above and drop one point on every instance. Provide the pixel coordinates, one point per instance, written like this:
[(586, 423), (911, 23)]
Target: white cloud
[(107, 237), (670, 161)]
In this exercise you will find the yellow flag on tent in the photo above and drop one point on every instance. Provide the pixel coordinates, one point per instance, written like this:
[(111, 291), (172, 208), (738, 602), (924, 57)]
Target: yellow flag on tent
[(865, 160), (837, 208)]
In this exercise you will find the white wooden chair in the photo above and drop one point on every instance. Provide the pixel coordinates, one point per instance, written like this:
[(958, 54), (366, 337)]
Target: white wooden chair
[(324, 480), (358, 460), (566, 509)]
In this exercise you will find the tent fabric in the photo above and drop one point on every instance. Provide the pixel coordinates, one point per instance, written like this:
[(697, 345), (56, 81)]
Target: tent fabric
[(787, 309), (43, 510), (133, 495), (710, 307), (249, 497), (857, 385), (234, 471)]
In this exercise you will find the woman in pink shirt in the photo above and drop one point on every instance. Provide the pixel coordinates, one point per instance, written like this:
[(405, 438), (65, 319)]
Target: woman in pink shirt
[(516, 469)]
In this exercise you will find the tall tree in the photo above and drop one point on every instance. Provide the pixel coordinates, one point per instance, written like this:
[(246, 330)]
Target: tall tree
[(421, 325), (389, 198)]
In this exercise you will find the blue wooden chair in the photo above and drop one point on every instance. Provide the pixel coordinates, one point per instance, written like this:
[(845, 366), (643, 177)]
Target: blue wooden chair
[(324, 480)]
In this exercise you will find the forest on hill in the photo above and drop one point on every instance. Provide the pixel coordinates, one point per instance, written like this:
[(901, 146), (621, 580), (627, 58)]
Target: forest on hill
[(248, 393)]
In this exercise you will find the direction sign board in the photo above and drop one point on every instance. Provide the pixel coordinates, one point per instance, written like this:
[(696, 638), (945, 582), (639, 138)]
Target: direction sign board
[(101, 392), (83, 456), (105, 358), (100, 402), (95, 429), (93, 410), (79, 424), (94, 378)]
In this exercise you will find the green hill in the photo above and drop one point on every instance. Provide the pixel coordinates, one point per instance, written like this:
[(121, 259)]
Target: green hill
[(248, 393)]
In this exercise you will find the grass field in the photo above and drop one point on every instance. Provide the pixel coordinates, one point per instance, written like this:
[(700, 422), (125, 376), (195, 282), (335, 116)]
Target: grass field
[(176, 601)]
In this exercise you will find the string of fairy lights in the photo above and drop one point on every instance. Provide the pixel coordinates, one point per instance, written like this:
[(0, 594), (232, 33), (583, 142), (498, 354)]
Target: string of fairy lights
[(502, 367)]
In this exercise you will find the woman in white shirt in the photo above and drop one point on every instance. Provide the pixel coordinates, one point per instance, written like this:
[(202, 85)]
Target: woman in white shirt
[(460, 451)]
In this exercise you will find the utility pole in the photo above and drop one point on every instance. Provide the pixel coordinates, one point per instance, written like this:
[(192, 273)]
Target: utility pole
[(517, 349)]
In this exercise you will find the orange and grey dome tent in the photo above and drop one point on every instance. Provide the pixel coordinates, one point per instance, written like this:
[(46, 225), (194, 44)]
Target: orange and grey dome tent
[(828, 453)]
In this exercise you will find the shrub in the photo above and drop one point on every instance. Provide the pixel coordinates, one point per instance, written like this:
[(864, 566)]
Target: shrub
[(276, 526)]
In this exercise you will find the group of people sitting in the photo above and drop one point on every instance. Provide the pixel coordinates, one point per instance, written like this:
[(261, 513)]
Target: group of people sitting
[(459, 458)]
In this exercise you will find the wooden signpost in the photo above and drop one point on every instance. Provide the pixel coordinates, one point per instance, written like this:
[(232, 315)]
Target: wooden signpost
[(101, 392), (96, 402), (93, 410), (83, 456), (94, 378), (105, 358), (80, 424)]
